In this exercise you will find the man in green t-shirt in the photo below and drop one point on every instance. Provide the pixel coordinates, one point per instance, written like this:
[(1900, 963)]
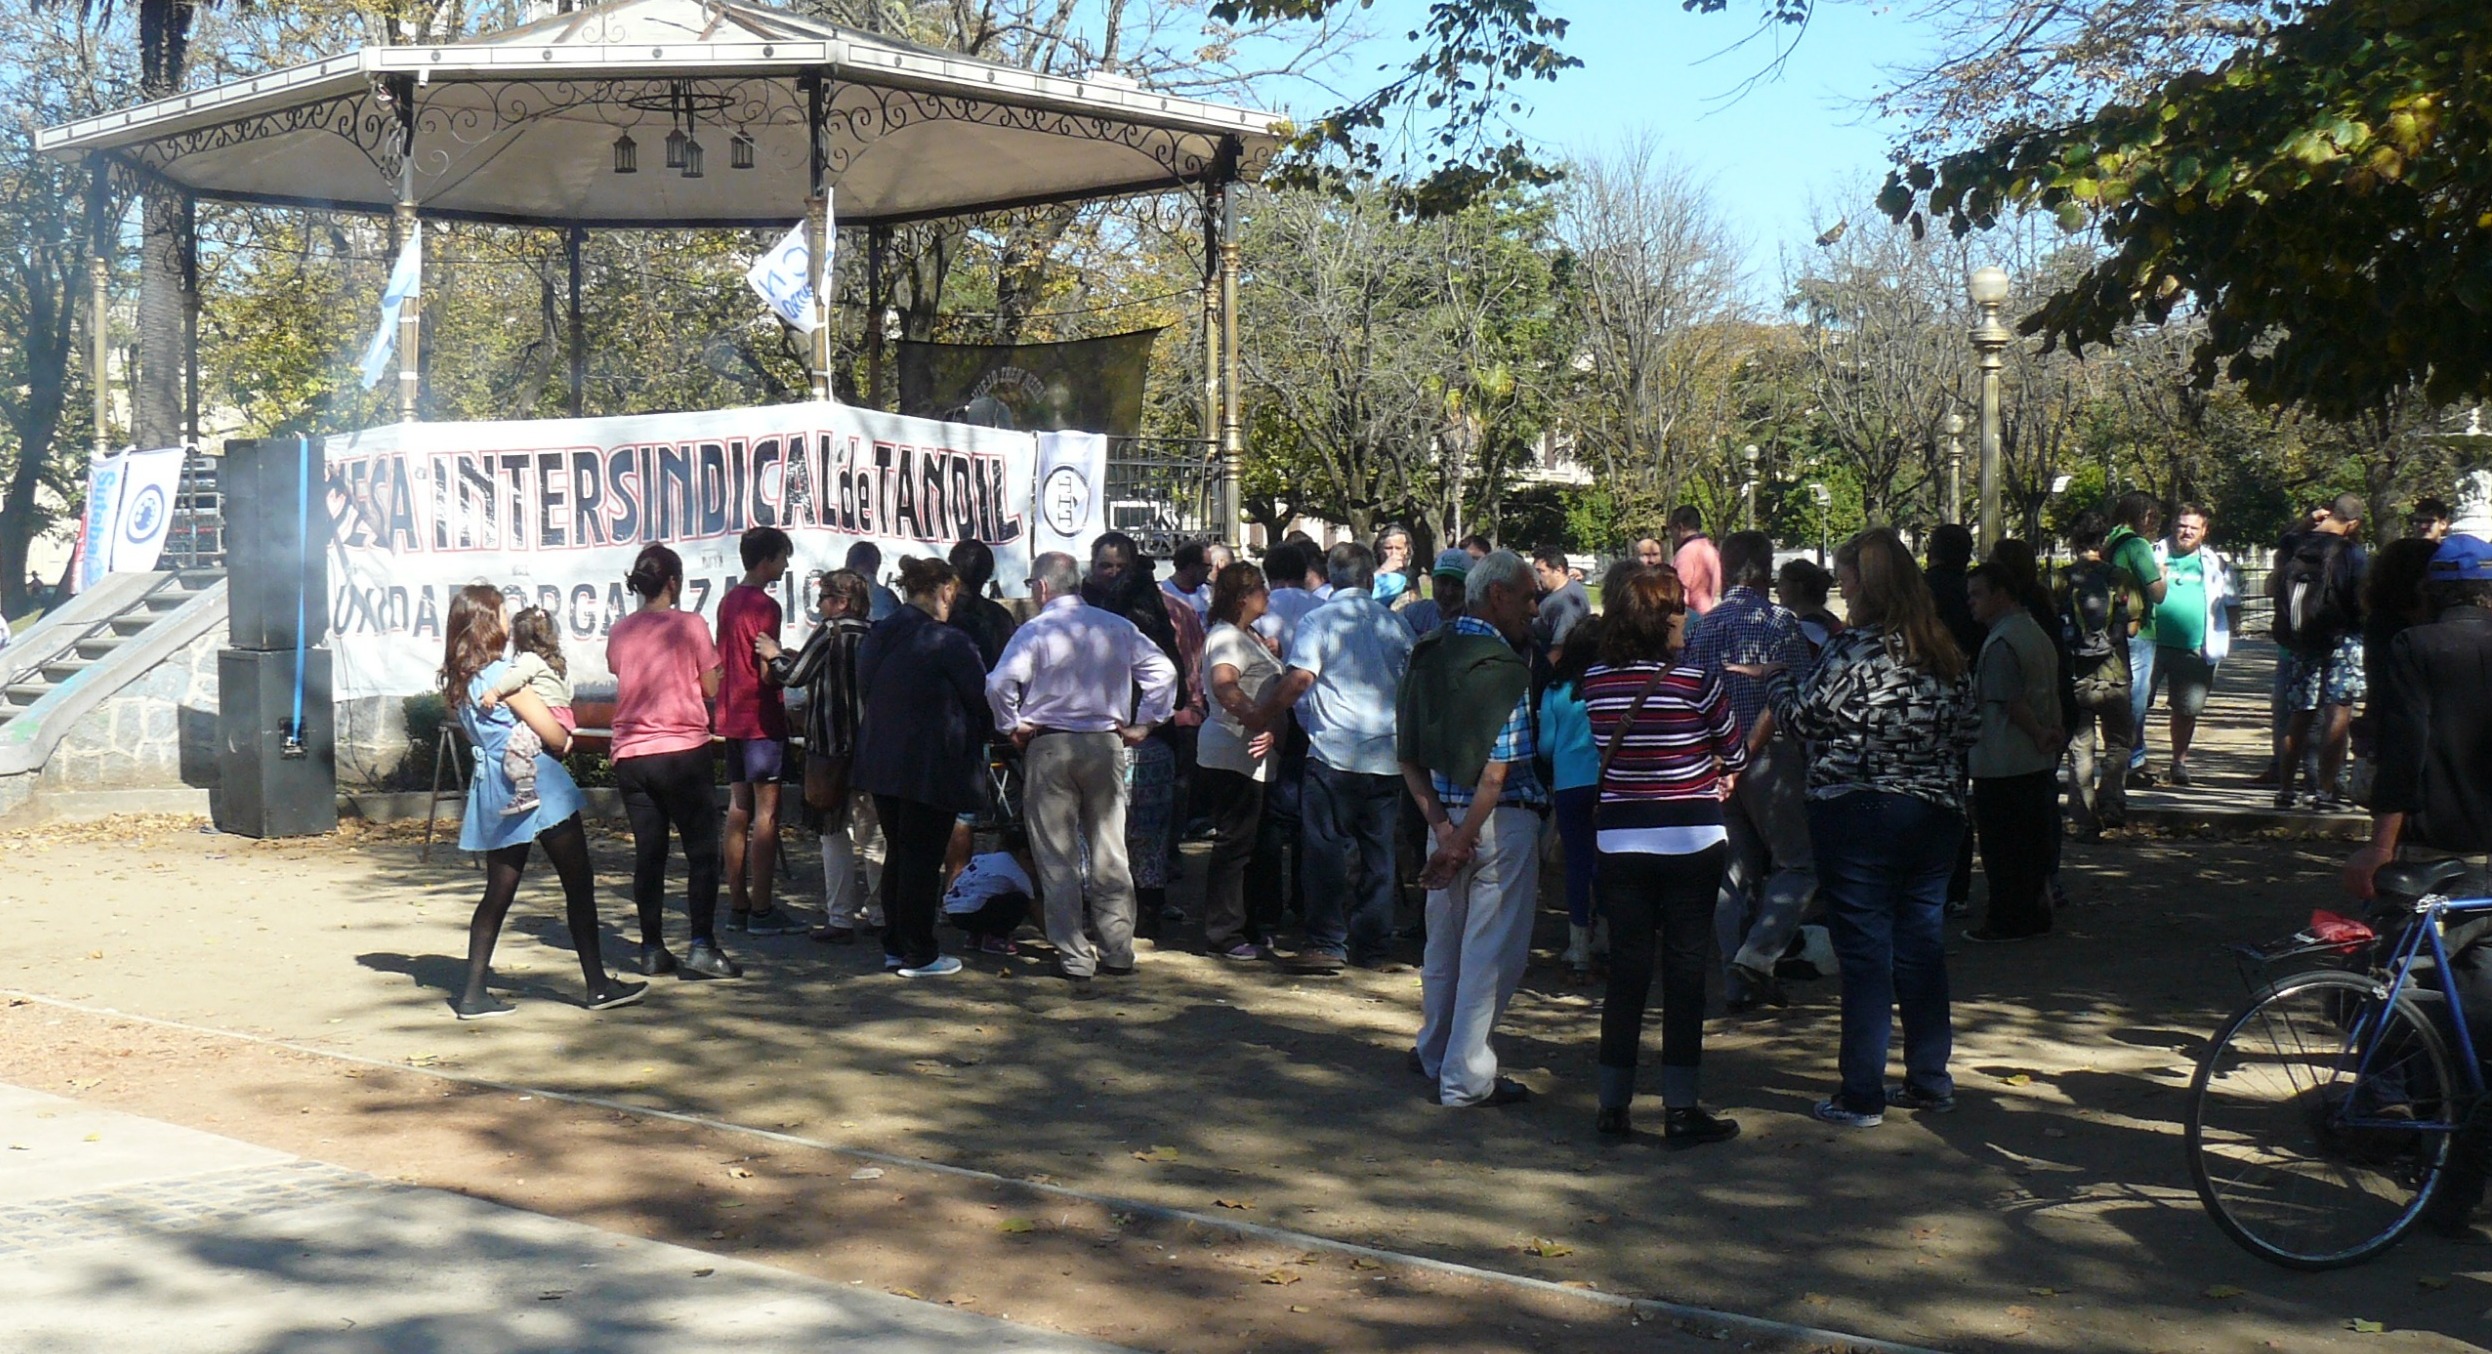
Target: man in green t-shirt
[(2192, 626), (2130, 552)]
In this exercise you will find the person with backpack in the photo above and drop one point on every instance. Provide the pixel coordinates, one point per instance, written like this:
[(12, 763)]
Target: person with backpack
[(2094, 615), (2316, 586), (2137, 517)]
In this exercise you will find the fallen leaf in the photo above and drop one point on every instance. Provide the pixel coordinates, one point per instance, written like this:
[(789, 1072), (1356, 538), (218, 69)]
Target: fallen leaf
[(2223, 1290), (1157, 1154), (2043, 1292), (98, 1137), (703, 1272), (1017, 1225), (909, 1293), (2017, 1079), (95, 954), (1309, 1258), (2021, 1312), (2432, 1281), (552, 1294), (2361, 1327), (718, 1236), (1547, 1249), (1235, 1203), (740, 1173), (866, 1173), (1296, 1308), (85, 1083), (1579, 1283), (1280, 1276), (1362, 1262)]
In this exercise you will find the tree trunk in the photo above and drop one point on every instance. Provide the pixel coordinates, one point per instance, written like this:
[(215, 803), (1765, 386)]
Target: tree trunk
[(156, 393)]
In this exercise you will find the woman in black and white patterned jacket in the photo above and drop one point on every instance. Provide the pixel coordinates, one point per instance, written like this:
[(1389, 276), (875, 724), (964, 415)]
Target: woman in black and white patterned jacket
[(1888, 713)]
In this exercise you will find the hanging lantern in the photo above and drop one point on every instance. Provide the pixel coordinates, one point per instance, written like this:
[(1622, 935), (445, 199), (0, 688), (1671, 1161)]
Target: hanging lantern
[(740, 150), (626, 154), (675, 148), (692, 158)]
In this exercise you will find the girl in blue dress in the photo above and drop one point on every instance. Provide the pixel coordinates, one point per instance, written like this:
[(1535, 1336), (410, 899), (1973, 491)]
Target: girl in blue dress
[(471, 664)]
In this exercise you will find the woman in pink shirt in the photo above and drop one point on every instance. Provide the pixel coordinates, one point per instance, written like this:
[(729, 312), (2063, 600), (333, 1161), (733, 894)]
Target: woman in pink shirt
[(666, 672)]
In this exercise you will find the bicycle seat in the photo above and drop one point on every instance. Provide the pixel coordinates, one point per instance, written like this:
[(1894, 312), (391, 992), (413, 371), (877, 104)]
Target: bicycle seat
[(2407, 882)]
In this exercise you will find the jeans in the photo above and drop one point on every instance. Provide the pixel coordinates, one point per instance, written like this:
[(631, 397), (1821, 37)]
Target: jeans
[(860, 838), (913, 877), (1882, 865), (1479, 936), (1673, 895), (672, 789), (2016, 821), (1347, 820), (2141, 695), (2097, 753), (1578, 838), (1240, 870), (1770, 873)]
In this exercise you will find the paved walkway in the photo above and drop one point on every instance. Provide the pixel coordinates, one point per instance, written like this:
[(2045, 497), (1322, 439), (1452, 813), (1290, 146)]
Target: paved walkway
[(2233, 744), (121, 1233)]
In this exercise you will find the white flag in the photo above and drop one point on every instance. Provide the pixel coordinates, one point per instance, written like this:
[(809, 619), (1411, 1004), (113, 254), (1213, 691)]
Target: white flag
[(405, 280), (150, 482), (785, 281)]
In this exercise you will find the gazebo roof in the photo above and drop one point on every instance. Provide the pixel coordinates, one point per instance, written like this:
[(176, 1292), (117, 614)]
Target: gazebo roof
[(521, 126)]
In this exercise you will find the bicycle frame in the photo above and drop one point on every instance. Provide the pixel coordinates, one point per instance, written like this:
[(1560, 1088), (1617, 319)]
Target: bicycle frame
[(2428, 910)]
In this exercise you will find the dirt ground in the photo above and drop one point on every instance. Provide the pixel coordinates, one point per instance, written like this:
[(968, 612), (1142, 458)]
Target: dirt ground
[(2054, 1211)]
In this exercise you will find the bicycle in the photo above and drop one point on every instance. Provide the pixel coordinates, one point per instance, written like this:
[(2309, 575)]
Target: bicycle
[(2325, 1114)]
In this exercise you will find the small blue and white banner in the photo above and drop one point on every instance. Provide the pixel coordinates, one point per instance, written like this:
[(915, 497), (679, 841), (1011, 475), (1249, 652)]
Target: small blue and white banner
[(95, 538), (405, 280), (784, 278), (150, 481)]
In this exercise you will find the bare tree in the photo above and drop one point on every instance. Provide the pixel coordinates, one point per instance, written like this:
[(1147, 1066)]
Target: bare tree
[(1661, 323)]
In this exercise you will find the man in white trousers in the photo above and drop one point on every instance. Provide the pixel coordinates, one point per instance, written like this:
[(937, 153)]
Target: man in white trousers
[(1466, 747)]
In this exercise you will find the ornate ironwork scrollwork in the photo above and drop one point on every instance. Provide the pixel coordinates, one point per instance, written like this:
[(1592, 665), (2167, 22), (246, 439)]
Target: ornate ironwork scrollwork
[(860, 115)]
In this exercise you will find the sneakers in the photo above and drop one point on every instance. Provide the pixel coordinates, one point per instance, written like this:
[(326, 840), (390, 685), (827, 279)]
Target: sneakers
[(2180, 775), (997, 945), (834, 935), (654, 961), (1083, 988), (2139, 778), (1831, 1111), (774, 922), (1505, 1092), (1763, 988), (481, 1010), (704, 960), (893, 963), (617, 994), (943, 967), (1612, 1121), (1244, 952), (1906, 1098)]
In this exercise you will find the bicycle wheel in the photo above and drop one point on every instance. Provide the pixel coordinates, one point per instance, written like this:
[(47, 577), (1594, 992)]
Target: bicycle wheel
[(2319, 1119)]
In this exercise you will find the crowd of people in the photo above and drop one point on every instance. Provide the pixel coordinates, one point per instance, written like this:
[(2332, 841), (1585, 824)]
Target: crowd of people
[(1718, 755)]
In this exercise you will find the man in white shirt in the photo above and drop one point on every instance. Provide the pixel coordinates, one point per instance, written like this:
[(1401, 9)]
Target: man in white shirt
[(1189, 576), (1064, 691), (1285, 569), (1345, 672)]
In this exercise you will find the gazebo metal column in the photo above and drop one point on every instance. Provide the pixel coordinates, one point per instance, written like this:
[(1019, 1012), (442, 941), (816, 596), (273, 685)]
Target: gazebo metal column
[(408, 225), (190, 321), (1232, 427), (574, 239), (877, 301), (99, 297), (818, 228)]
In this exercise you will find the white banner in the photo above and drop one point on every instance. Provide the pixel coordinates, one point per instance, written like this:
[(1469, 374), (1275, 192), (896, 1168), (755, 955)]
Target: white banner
[(784, 278), (95, 535), (150, 481), (1072, 492), (552, 512)]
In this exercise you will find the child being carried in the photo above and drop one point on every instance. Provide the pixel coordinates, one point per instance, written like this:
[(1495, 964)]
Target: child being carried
[(536, 664)]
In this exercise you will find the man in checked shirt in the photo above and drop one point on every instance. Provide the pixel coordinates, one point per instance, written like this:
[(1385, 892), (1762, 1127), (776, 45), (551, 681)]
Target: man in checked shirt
[(1771, 875)]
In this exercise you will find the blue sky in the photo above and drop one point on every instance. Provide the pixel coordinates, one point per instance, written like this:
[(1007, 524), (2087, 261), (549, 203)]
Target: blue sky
[(1803, 138)]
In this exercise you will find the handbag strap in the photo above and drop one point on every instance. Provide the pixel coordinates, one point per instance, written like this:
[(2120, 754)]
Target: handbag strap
[(1618, 736)]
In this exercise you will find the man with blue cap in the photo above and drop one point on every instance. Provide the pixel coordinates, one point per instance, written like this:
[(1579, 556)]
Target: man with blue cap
[(1434, 612), (2432, 794)]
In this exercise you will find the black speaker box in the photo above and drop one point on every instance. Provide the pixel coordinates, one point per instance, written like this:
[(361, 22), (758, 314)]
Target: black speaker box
[(276, 542), (263, 788)]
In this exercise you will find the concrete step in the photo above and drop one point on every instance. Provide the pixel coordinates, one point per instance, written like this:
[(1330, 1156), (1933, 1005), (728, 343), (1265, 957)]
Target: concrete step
[(27, 693), (61, 670), (96, 646)]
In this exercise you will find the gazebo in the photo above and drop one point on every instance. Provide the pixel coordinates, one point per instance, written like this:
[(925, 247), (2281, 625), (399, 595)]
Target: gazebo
[(651, 114)]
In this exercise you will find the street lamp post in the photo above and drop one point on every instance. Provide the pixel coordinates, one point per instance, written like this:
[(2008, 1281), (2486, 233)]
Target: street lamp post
[(1955, 466), (1988, 288), (1752, 486), (1823, 497)]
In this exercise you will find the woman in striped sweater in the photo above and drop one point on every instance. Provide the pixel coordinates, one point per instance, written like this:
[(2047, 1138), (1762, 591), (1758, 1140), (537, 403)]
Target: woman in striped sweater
[(1670, 751)]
